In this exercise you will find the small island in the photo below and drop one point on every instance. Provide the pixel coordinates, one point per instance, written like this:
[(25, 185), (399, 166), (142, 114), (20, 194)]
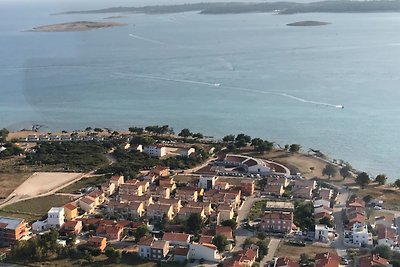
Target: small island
[(306, 23), (115, 17), (75, 26)]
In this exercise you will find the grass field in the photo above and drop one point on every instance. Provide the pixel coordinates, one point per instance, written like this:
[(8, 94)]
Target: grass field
[(83, 183), (286, 250), (37, 206), (389, 195)]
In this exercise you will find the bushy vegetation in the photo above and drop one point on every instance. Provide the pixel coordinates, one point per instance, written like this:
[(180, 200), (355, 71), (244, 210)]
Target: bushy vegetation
[(303, 215), (71, 156), (10, 150)]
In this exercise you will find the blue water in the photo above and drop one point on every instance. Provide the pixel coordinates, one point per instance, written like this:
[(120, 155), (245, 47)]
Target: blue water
[(271, 77)]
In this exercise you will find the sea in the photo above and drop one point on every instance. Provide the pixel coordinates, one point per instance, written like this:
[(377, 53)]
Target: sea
[(335, 88)]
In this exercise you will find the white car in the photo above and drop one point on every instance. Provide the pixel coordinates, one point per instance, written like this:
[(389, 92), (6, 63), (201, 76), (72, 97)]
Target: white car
[(378, 207)]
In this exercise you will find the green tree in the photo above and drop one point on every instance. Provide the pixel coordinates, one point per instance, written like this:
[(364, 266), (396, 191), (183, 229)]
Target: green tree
[(140, 232), (231, 223), (138, 130), (242, 140), (362, 179), (304, 258), (262, 248), (198, 136), (220, 242), (99, 130), (384, 251), (3, 134), (256, 142), (381, 179), (345, 171), (329, 171), (228, 138), (113, 255), (326, 221), (88, 129), (185, 133), (397, 183), (194, 223), (294, 148), (303, 215)]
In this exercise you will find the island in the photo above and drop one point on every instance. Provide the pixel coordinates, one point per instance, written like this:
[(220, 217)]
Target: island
[(115, 17), (280, 8), (308, 23), (75, 26)]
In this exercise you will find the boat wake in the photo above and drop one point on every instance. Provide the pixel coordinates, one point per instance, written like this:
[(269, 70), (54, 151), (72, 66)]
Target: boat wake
[(145, 39), (299, 99)]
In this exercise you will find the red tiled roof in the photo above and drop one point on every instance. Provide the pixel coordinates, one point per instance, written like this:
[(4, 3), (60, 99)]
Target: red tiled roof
[(286, 262), (176, 237), (181, 251), (70, 206), (146, 241)]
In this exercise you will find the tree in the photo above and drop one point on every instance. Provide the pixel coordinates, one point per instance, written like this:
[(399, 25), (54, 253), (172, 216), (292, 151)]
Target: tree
[(113, 255), (228, 138), (242, 140), (381, 179), (303, 215), (231, 223), (329, 171), (3, 134), (198, 136), (262, 248), (326, 221), (256, 142), (345, 171), (194, 223), (185, 133), (384, 251), (294, 148), (220, 242), (140, 232), (367, 198), (88, 129), (362, 179), (287, 146), (99, 130), (115, 133), (304, 258), (397, 183), (137, 130)]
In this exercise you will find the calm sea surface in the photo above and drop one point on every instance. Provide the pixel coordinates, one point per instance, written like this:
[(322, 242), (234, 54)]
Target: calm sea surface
[(276, 82)]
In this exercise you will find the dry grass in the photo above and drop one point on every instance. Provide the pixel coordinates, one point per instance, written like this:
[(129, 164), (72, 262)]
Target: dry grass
[(286, 250), (83, 183), (389, 195), (12, 174)]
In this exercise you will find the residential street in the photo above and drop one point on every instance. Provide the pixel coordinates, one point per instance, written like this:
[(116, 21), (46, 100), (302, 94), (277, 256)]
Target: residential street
[(272, 247), (338, 244)]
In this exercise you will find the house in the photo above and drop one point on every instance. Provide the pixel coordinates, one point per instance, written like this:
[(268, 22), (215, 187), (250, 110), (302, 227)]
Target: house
[(276, 221), (12, 230), (181, 254), (158, 192), (224, 231), (286, 262), (219, 185), (136, 147), (323, 233), (176, 203), (131, 187), (206, 239), (322, 202), (55, 217), (304, 184), (167, 181), (247, 186), (110, 230), (137, 209), (303, 192), (117, 180), (326, 193), (144, 246), (327, 259), (70, 211), (156, 150), (98, 196), (373, 260), (177, 239), (185, 212), (361, 236), (186, 152), (71, 227), (108, 188), (159, 249), (205, 251), (207, 182), (146, 199), (186, 194), (274, 190), (97, 242), (245, 258), (159, 211), (387, 221), (225, 212), (87, 203), (387, 236), (277, 180), (323, 209), (159, 171)]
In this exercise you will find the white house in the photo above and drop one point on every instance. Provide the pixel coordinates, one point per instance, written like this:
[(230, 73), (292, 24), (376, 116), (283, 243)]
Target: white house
[(323, 233), (207, 182), (361, 236), (55, 217), (39, 226), (186, 152), (205, 251), (155, 150)]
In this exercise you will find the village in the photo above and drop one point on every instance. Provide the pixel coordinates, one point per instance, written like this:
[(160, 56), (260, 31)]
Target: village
[(233, 209)]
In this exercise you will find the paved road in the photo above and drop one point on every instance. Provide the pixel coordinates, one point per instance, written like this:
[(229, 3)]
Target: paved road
[(338, 244), (272, 247)]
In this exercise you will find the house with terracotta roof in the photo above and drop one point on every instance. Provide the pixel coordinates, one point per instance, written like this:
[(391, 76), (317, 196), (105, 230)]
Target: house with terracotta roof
[(144, 246), (167, 181), (214, 196), (286, 262), (206, 239), (117, 180), (225, 212), (176, 203), (98, 196), (160, 171), (186, 194), (274, 190), (219, 185), (71, 227), (158, 192), (151, 248), (146, 199), (181, 254), (276, 221), (373, 260), (387, 236), (327, 259), (110, 229), (70, 211), (185, 212), (97, 242), (108, 188), (177, 239), (159, 211), (205, 205), (132, 187), (321, 202), (387, 221), (87, 203), (224, 231), (247, 186), (245, 258), (300, 183)]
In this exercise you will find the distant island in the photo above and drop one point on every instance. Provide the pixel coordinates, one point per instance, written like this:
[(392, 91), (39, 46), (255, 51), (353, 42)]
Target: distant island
[(275, 7), (308, 23), (75, 26), (115, 17)]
